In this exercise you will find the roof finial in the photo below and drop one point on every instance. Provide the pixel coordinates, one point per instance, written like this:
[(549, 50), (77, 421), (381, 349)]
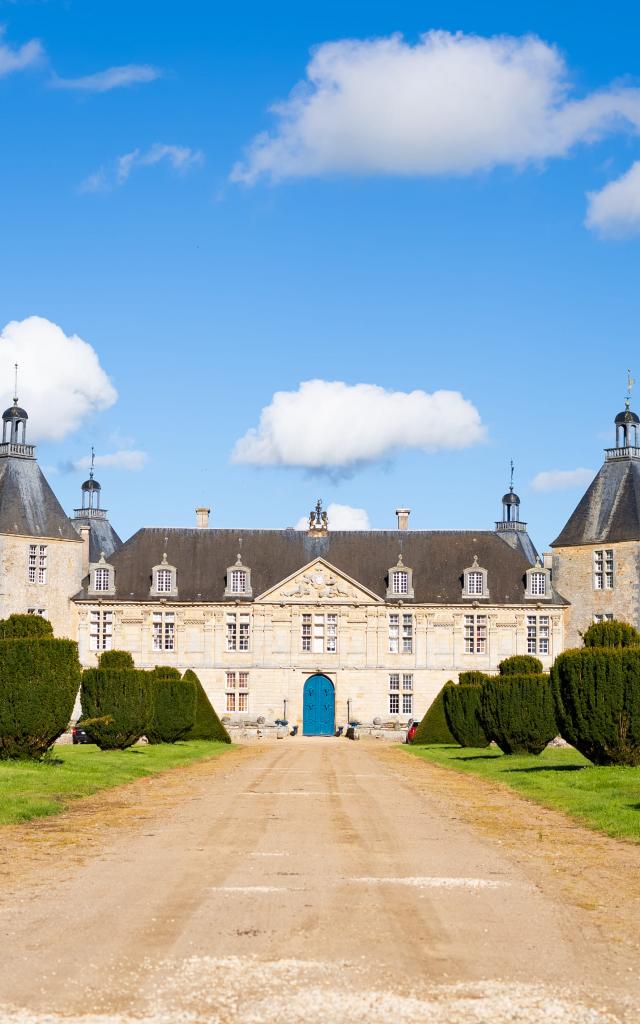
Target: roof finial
[(630, 383), (15, 385), (93, 459), (512, 469)]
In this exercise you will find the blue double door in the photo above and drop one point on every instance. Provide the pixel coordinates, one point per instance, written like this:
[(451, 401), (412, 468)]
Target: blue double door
[(318, 707)]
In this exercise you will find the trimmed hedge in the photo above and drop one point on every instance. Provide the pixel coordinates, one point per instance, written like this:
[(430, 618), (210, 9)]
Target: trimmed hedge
[(473, 678), (461, 708), (521, 665), (166, 672), (115, 661), (207, 725), (597, 701), (116, 706), (20, 627), (611, 634), (518, 713), (39, 680), (174, 706), (433, 728)]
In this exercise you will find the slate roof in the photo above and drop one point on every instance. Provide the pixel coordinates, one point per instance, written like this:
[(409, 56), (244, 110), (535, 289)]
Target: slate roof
[(202, 557), (28, 506), (102, 537), (610, 509)]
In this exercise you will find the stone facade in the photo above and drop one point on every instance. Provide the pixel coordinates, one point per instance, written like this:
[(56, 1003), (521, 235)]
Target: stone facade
[(574, 574), (63, 568)]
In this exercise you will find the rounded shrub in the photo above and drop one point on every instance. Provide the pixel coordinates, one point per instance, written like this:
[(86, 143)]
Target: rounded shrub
[(518, 713), (166, 672), (433, 728), (611, 634), (19, 627), (473, 678), (597, 699), (207, 725), (461, 708), (39, 680), (521, 665), (115, 661), (174, 706), (116, 706)]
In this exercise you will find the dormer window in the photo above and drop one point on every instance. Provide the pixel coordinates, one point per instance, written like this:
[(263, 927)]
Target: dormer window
[(102, 577), (538, 582), (238, 580), (164, 579), (400, 581), (475, 582)]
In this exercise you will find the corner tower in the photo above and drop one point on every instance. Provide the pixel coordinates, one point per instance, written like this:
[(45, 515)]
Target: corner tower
[(596, 556)]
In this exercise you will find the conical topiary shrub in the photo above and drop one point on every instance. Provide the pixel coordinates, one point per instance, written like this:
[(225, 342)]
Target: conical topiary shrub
[(207, 725), (461, 708), (433, 728), (518, 713), (174, 706)]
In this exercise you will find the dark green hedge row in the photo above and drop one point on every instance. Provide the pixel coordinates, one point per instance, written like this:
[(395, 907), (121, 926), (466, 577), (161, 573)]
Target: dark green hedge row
[(517, 711), (174, 706), (433, 728), (461, 708), (23, 626), (473, 678), (611, 634)]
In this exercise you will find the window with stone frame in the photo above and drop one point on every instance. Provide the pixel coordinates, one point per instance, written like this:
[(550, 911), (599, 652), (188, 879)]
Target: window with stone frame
[(400, 582), (605, 617), (164, 631), (538, 584), (101, 579), (603, 566), (37, 611), (238, 631), (164, 581), (319, 633), (33, 562), (237, 691), (100, 630), (42, 563), (475, 583), (475, 634), (238, 581), (37, 563), (400, 693), (538, 635)]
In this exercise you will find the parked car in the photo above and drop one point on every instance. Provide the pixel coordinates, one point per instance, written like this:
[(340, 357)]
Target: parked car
[(78, 735), (411, 731)]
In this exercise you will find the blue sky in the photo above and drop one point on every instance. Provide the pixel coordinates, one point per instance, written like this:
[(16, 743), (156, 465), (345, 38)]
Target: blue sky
[(203, 296)]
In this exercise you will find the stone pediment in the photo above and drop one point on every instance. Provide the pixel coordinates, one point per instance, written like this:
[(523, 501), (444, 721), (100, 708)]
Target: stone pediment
[(319, 581)]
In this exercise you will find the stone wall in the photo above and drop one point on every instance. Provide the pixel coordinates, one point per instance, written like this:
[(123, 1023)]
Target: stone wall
[(573, 569), (63, 580)]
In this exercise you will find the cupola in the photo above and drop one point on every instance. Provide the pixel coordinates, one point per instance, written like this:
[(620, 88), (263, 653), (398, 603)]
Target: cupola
[(14, 428)]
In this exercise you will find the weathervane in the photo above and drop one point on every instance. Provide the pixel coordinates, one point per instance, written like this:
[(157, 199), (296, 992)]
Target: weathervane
[(512, 469), (93, 459), (630, 383), (15, 385)]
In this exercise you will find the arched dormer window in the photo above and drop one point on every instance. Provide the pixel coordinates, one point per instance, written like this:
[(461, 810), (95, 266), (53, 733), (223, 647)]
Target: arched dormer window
[(238, 580), (475, 581), (538, 582), (164, 579), (400, 581), (102, 577)]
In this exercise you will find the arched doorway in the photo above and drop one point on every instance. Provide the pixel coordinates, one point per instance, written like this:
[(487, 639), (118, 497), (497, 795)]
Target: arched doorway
[(318, 707)]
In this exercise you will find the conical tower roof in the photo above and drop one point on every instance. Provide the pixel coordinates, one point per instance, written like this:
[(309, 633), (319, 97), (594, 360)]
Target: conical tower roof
[(610, 509), (28, 506)]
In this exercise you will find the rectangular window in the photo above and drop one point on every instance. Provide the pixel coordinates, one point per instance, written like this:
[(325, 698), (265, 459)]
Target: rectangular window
[(538, 634), (603, 569), (238, 631), (607, 617), (400, 693), (407, 703), (538, 584), (100, 630), (164, 631), (475, 583), (475, 634), (237, 686), (320, 633), (394, 681), (42, 563), (400, 583), (37, 611), (407, 633), (163, 581), (101, 579), (238, 581), (407, 681), (33, 562), (394, 703), (394, 634)]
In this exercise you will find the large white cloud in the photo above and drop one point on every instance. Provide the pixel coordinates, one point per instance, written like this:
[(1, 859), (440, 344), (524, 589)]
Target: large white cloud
[(60, 379), (333, 425), (452, 103), (111, 78), (562, 479), (24, 56), (615, 209), (341, 517)]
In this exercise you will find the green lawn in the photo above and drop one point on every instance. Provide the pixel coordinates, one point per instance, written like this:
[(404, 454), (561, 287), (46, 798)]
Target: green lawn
[(36, 789), (606, 799)]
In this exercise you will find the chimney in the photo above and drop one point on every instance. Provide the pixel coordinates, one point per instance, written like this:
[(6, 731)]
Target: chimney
[(403, 518), (85, 533), (202, 518)]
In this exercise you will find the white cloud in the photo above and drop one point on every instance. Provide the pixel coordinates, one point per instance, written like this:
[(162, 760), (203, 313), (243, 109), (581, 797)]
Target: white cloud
[(562, 479), (330, 424), (450, 104), (131, 459), (17, 60), (60, 378), (180, 158), (111, 78), (341, 517), (615, 209)]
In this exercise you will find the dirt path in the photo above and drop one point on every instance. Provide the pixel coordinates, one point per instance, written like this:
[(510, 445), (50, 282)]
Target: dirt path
[(310, 881)]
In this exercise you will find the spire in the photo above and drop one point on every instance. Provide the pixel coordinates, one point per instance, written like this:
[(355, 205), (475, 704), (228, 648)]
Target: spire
[(15, 385), (14, 427), (626, 423)]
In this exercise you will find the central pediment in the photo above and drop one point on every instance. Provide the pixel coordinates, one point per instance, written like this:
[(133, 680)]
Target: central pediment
[(319, 581)]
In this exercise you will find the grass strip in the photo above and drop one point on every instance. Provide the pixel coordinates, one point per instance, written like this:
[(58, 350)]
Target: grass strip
[(605, 799), (30, 789)]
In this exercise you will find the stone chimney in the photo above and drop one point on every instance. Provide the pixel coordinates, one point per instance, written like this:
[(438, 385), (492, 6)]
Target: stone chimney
[(202, 518), (85, 533), (403, 518)]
